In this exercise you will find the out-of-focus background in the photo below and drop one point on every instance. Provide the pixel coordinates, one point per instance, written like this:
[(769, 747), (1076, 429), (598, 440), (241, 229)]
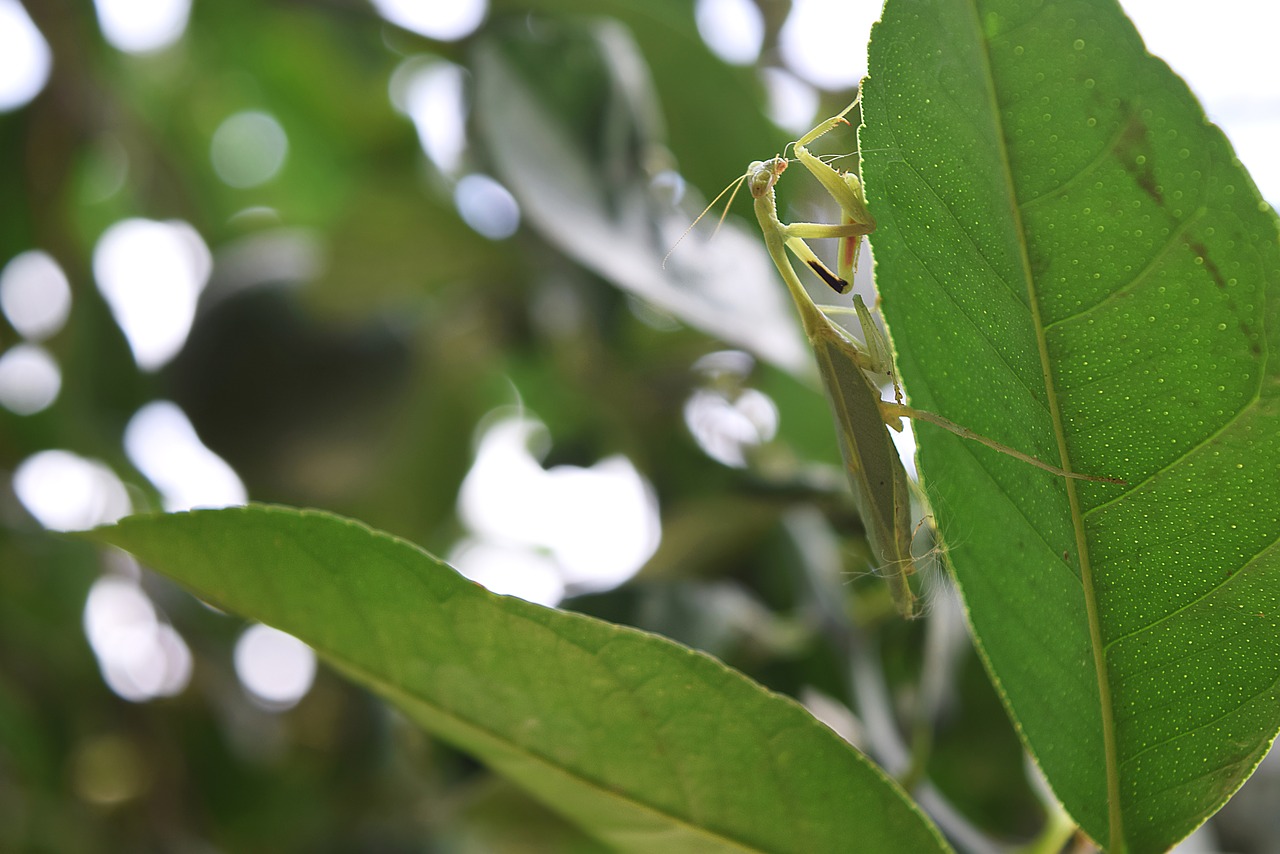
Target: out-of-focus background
[(407, 261)]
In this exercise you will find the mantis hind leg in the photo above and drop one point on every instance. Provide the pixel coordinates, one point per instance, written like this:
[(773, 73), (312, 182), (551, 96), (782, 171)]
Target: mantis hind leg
[(897, 410)]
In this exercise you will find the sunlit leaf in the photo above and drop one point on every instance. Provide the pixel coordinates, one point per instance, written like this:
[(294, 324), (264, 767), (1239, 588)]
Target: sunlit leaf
[(1074, 263), (648, 745)]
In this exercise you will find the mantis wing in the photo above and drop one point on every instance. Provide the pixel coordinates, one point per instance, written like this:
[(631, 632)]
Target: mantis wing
[(876, 474)]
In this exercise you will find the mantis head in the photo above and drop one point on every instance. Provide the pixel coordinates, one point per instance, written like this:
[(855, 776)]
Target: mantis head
[(762, 175)]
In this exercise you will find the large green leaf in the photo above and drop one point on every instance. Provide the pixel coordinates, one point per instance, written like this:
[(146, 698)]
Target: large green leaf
[(647, 744), (1073, 262)]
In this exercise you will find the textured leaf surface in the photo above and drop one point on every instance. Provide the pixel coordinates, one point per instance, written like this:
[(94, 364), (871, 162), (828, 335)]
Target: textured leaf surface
[(1073, 262), (649, 745)]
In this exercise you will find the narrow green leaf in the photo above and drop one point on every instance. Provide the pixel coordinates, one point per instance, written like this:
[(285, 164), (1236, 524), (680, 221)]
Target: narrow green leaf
[(648, 745), (1073, 262)]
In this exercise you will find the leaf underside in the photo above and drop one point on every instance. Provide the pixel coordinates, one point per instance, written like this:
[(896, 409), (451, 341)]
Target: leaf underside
[(1072, 262), (646, 744)]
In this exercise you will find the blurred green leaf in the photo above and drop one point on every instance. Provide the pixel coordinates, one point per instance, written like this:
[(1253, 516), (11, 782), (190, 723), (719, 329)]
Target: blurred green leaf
[(725, 131), (646, 744), (1073, 262), (606, 222), (503, 819)]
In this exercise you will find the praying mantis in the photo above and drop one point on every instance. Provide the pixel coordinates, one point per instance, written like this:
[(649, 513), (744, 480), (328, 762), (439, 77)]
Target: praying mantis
[(881, 489)]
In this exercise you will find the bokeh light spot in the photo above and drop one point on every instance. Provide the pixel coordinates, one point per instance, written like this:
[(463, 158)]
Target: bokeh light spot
[(248, 149), (25, 58), (163, 444), (151, 274), (67, 492), (141, 658), (277, 669), (733, 29), (598, 525), (34, 294), (604, 524), (487, 206), (142, 26), (724, 428), (509, 570), (432, 96), (793, 104), (824, 41), (436, 19), (29, 379), (724, 417)]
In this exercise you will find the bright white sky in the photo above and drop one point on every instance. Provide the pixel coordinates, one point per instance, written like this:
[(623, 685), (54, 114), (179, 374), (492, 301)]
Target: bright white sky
[(1226, 54)]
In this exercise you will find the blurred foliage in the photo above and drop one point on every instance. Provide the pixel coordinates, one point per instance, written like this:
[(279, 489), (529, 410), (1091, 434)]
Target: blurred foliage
[(356, 385)]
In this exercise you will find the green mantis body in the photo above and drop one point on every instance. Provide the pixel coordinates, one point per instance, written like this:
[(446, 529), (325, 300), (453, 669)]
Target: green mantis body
[(879, 480), (881, 489)]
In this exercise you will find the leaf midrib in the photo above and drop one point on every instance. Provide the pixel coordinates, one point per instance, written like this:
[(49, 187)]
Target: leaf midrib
[(406, 698), (385, 685), (1092, 614)]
